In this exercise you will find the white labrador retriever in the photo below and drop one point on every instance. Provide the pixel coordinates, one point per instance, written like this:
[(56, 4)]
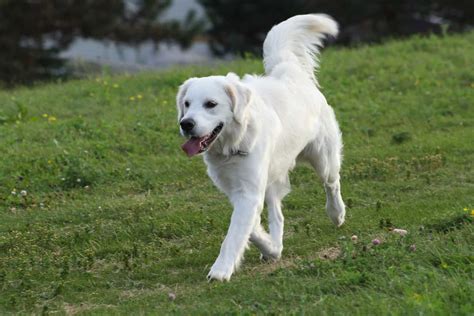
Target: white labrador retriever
[(252, 130)]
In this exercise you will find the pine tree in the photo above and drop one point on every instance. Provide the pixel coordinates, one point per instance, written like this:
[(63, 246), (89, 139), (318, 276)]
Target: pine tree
[(240, 26), (33, 33)]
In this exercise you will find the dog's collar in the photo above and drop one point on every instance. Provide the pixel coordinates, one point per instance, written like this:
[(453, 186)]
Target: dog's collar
[(239, 153)]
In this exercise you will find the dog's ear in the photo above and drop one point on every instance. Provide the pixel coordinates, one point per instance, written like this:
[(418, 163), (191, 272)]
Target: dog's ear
[(180, 96), (240, 97)]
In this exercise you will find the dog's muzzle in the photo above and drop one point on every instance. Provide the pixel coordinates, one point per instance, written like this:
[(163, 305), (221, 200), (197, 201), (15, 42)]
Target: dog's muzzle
[(197, 145)]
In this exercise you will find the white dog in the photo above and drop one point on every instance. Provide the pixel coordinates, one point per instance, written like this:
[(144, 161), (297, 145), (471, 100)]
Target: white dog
[(252, 131)]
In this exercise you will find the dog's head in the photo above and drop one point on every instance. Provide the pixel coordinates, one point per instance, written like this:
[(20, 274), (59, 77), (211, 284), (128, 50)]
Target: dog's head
[(209, 108)]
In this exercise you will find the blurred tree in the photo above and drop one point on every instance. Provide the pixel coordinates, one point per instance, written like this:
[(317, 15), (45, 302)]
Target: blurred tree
[(33, 32), (240, 26)]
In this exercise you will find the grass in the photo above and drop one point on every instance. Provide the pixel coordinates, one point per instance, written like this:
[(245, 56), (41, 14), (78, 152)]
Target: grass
[(117, 220)]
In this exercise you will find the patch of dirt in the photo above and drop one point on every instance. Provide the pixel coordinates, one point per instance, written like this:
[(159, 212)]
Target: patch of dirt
[(271, 266), (331, 253), (127, 294), (156, 290), (72, 309), (102, 265)]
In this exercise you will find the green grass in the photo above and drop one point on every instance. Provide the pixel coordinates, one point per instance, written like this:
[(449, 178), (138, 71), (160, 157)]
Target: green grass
[(116, 217)]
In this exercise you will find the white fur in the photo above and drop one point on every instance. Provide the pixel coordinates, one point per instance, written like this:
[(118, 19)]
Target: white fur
[(269, 122)]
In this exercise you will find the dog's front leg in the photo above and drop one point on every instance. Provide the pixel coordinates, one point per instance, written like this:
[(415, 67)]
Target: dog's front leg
[(246, 209)]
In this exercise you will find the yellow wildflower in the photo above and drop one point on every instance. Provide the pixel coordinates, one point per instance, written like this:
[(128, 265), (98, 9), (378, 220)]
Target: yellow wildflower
[(132, 98), (444, 265), (115, 86), (50, 162), (45, 115), (52, 119), (139, 96), (417, 297), (472, 212)]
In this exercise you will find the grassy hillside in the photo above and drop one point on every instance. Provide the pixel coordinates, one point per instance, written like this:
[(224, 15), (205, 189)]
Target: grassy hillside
[(113, 217)]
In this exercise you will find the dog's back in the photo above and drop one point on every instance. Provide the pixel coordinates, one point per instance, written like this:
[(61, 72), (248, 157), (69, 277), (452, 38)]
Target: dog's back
[(291, 47)]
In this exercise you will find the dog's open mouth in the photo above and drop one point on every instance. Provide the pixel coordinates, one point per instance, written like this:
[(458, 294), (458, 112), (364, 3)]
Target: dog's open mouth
[(197, 145)]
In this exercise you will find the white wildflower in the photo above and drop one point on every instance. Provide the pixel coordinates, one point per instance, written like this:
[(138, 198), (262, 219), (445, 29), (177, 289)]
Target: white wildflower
[(401, 232)]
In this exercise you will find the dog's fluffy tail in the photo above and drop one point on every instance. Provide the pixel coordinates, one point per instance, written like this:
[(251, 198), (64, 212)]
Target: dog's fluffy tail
[(297, 41)]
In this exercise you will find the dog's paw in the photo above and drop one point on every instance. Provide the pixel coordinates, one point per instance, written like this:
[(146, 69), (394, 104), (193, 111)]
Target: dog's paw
[(220, 272), (271, 256), (337, 219), (336, 212)]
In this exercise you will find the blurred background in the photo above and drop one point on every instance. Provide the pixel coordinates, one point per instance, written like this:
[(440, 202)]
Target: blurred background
[(50, 39)]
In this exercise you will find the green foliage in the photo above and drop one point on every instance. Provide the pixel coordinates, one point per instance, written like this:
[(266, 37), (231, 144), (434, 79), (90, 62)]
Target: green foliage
[(402, 137), (240, 26), (139, 231), (17, 115), (35, 32)]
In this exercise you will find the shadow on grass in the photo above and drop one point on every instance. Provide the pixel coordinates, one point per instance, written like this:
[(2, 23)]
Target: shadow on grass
[(450, 224)]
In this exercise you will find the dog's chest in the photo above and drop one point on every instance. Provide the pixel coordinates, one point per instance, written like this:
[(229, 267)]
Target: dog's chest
[(226, 173)]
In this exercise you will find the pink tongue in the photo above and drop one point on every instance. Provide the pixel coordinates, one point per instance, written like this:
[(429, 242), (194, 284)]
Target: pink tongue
[(192, 146)]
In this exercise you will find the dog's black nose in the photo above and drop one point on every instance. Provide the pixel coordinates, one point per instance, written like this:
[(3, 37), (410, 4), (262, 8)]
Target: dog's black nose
[(187, 125)]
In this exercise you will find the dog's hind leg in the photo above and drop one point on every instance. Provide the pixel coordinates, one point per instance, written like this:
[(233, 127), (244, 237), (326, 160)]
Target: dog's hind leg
[(324, 154), (275, 193), (260, 238), (271, 245)]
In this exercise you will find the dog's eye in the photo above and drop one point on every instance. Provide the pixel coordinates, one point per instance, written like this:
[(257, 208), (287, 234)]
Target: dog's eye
[(210, 104), (186, 104)]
